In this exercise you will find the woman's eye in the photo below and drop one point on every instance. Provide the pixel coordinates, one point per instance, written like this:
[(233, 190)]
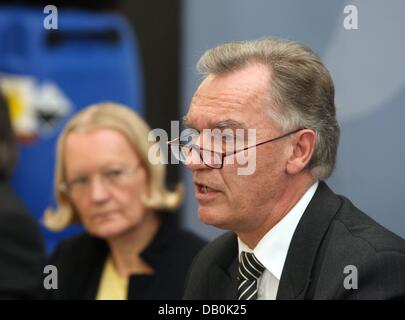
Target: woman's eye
[(81, 181), (114, 173)]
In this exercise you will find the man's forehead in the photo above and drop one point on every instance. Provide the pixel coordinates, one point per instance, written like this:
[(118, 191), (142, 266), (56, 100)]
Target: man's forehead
[(240, 96), (226, 97), (214, 122), (225, 107)]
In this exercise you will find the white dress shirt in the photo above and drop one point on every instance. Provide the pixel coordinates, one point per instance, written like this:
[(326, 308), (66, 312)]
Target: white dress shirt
[(272, 249)]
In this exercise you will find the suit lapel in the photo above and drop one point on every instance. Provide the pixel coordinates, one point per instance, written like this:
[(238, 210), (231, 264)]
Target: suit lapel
[(223, 276), (223, 284), (296, 275)]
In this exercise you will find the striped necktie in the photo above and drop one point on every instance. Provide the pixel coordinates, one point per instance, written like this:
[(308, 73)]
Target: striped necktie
[(250, 269)]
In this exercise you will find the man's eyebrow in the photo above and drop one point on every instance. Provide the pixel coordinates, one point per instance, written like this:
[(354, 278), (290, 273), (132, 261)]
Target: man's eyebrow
[(223, 124), (228, 123)]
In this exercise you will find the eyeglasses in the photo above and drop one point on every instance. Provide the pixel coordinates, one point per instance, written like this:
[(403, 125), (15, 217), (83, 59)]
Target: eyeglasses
[(110, 177), (212, 159)]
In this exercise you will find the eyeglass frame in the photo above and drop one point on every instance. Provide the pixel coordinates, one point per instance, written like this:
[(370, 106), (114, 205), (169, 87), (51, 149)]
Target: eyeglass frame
[(226, 154), (64, 186)]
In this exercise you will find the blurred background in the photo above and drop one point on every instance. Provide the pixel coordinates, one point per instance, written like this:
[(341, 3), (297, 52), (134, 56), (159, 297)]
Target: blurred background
[(143, 54)]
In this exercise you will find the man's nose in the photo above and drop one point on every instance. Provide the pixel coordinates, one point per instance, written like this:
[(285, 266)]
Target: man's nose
[(194, 161)]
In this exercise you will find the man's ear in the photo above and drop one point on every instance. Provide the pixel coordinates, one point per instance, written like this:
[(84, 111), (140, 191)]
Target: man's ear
[(303, 147)]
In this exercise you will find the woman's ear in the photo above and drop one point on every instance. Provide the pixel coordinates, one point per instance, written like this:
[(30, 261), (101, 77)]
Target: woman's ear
[(303, 147)]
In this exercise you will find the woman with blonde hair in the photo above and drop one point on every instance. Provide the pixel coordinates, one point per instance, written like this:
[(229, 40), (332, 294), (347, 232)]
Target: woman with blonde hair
[(132, 247)]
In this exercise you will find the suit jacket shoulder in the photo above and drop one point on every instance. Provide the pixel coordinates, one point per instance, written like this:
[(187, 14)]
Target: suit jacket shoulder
[(212, 273), (22, 252), (335, 244), (359, 259)]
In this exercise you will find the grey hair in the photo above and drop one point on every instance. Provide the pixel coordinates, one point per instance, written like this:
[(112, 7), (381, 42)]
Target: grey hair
[(301, 90)]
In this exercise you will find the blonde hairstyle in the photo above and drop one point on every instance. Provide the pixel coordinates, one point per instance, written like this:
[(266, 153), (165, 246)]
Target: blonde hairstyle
[(301, 88), (124, 120)]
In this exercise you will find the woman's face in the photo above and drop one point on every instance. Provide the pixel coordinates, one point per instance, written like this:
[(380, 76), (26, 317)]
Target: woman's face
[(105, 181)]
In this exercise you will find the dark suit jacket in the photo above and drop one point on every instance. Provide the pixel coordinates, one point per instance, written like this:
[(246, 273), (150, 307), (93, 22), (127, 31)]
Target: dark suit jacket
[(331, 235), (80, 261), (22, 252)]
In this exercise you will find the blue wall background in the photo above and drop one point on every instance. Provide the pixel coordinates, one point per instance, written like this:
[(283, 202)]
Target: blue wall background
[(368, 69)]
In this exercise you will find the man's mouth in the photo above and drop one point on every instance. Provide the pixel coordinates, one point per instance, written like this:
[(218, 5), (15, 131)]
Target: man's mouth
[(204, 189), (205, 193)]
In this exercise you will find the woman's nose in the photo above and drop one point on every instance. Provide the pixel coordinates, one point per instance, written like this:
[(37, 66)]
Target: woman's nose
[(99, 190)]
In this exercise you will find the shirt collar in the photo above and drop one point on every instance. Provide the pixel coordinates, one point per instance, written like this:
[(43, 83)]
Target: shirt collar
[(272, 249)]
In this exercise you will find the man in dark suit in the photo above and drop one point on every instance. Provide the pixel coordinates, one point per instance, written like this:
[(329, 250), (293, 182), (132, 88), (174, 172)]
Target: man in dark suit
[(22, 253), (291, 236)]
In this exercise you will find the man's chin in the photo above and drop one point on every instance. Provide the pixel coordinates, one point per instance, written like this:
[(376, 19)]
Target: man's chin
[(212, 217)]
